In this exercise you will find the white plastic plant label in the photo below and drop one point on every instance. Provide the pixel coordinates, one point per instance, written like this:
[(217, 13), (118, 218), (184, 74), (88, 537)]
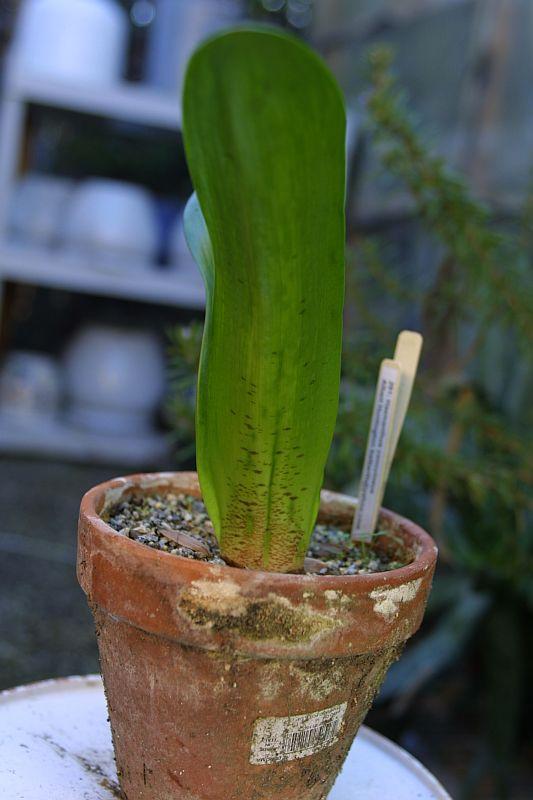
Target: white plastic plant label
[(377, 450), (279, 739)]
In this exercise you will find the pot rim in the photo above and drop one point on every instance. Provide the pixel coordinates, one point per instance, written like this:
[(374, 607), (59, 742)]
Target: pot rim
[(250, 612), (106, 494)]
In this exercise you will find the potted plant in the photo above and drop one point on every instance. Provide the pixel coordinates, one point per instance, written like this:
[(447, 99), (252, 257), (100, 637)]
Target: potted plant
[(246, 671)]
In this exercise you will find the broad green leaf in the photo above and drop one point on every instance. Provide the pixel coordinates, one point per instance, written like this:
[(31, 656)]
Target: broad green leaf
[(264, 131)]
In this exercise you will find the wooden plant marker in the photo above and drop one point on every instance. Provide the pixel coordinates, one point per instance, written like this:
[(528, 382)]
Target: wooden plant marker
[(407, 354)]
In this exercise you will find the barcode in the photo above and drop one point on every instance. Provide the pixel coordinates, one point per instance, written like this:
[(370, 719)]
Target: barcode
[(313, 737), (278, 739)]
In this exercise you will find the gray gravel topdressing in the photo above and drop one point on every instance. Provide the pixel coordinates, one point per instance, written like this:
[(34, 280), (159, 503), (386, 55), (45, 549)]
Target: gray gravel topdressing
[(179, 524)]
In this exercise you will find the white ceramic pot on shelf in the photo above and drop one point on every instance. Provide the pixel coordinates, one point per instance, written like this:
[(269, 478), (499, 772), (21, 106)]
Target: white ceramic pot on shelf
[(37, 209), (179, 25), (81, 41), (30, 388), (115, 380), (111, 225)]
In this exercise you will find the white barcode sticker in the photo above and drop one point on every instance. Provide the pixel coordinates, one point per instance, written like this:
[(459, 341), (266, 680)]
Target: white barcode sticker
[(278, 739)]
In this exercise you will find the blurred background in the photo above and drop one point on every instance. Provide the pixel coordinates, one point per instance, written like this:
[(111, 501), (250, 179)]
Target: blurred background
[(101, 316)]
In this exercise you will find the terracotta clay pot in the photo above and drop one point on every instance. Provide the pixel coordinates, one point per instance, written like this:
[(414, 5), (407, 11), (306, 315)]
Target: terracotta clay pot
[(226, 684)]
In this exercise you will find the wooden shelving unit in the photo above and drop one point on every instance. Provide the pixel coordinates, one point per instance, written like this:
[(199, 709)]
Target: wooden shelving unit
[(56, 439), (165, 286), (130, 103), (127, 102)]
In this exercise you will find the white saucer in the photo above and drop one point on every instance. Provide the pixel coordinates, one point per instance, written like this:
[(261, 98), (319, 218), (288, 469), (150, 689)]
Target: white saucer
[(55, 742)]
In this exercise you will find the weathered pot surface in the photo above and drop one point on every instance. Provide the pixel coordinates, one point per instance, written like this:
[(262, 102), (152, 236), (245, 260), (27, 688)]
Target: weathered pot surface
[(225, 683)]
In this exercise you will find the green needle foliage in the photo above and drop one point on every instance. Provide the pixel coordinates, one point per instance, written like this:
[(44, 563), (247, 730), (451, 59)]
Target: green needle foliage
[(264, 132), (464, 467)]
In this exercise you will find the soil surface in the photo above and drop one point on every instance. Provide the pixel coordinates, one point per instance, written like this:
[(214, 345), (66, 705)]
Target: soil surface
[(179, 524)]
